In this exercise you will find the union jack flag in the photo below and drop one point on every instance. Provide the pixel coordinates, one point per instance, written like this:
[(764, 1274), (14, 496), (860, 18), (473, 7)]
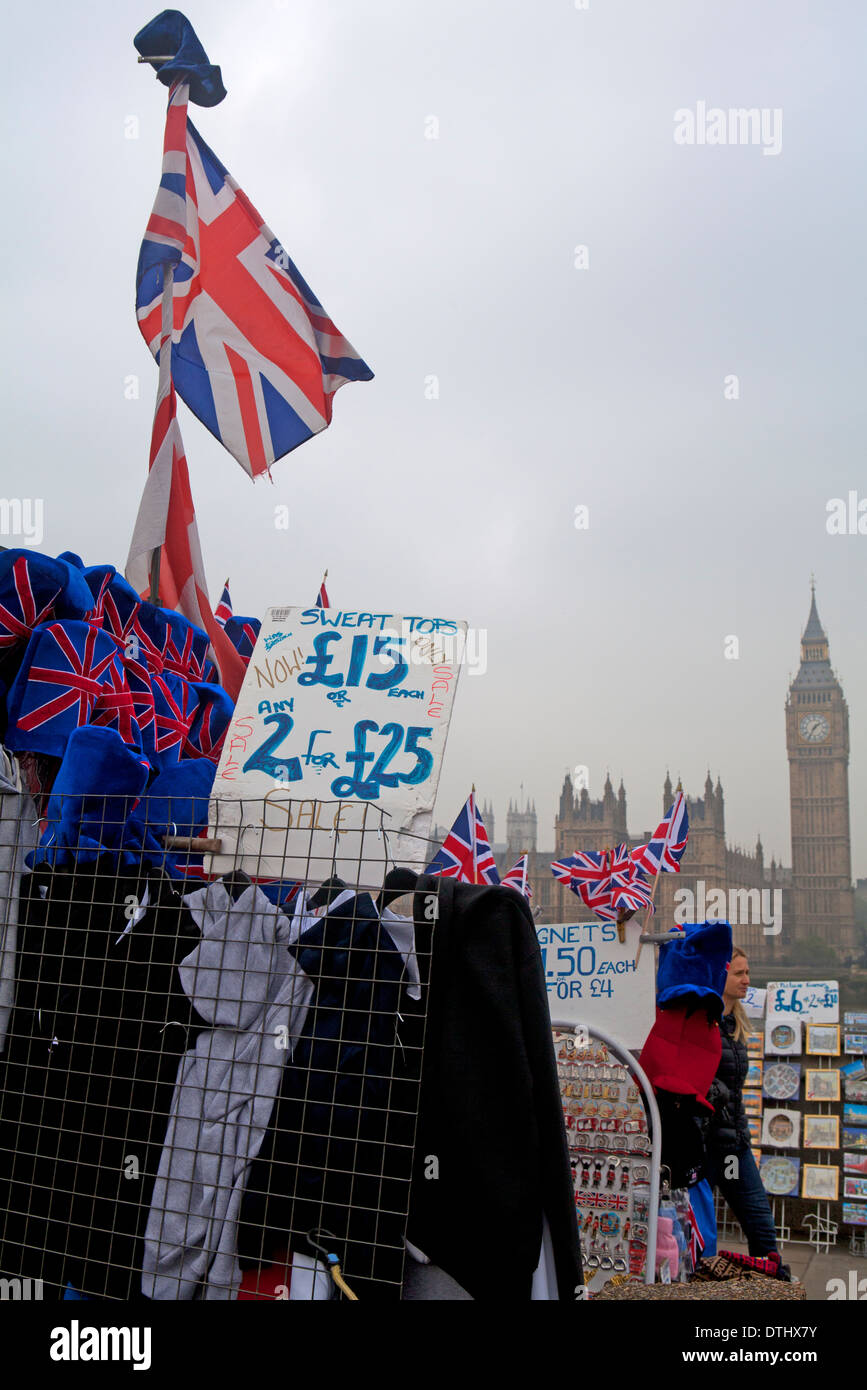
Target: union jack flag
[(465, 853), (66, 666), (606, 881), (664, 850), (223, 610), (322, 596), (254, 354), (517, 878)]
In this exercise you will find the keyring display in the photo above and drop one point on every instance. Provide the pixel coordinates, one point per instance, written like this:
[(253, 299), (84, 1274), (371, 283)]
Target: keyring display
[(609, 1143)]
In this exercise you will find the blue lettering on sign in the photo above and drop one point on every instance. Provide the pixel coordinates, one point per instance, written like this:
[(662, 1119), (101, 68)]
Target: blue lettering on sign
[(262, 759), (367, 785), (323, 658)]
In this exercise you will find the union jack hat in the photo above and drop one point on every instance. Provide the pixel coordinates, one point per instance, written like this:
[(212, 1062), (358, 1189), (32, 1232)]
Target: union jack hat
[(151, 627), (242, 633), (67, 666), (175, 708), (116, 601), (186, 648), (34, 588), (208, 729)]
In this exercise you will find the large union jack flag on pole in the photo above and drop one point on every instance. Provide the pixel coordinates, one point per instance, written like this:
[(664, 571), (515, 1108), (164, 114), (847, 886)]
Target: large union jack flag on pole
[(254, 354), (664, 851), (466, 853)]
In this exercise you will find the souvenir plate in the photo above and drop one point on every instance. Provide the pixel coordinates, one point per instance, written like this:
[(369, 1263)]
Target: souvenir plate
[(782, 1080), (780, 1175)]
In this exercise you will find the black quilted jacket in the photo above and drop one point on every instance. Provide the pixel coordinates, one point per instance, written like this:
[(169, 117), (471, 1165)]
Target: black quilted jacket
[(728, 1129)]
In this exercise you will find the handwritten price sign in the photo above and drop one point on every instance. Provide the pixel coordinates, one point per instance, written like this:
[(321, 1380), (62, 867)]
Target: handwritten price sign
[(814, 1001), (595, 979), (339, 731)]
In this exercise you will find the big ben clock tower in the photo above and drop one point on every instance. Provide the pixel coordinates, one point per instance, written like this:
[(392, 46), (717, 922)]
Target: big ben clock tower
[(817, 740)]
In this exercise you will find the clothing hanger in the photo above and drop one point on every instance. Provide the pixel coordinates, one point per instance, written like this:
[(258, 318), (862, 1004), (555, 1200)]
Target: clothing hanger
[(396, 882)]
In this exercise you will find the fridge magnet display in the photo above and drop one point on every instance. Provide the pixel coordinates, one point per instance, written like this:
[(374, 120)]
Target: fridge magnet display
[(854, 1138), (855, 1042), (822, 1085), (852, 1019), (819, 1182), (782, 1080), (823, 1039), (855, 1187), (854, 1215), (755, 1069), (781, 1129), (779, 1175), (821, 1132), (854, 1114), (783, 1039), (855, 1163), (752, 1102), (755, 1045), (754, 1125)]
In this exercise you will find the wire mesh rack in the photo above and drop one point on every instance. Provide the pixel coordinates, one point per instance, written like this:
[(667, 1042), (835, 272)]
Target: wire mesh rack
[(210, 1082)]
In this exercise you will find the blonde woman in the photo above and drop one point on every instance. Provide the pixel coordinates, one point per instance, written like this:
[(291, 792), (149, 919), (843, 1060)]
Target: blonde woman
[(730, 1163)]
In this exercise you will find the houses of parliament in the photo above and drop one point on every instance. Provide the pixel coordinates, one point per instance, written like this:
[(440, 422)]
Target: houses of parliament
[(815, 894)]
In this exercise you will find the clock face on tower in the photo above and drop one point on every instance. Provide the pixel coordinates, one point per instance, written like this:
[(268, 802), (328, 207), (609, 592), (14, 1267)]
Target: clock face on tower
[(814, 728)]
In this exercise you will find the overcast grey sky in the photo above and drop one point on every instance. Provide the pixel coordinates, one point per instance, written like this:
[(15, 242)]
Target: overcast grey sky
[(559, 386)]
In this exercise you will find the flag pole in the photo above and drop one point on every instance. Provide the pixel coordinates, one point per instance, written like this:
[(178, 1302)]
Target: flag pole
[(164, 385)]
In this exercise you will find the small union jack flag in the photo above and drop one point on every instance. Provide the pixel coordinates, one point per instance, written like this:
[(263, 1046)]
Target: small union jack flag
[(223, 610), (664, 850), (66, 666), (607, 882), (465, 853), (517, 878), (322, 596), (254, 354)]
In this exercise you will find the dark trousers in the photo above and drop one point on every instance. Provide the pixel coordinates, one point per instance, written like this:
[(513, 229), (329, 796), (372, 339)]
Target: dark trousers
[(746, 1196)]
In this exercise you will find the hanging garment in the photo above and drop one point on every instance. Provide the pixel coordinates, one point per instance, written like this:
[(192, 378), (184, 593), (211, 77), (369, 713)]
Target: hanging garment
[(338, 1152), (242, 980), (99, 1023), (17, 838), (490, 1159)]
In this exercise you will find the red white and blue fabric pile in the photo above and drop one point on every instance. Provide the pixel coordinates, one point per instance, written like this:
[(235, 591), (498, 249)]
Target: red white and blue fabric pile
[(112, 705)]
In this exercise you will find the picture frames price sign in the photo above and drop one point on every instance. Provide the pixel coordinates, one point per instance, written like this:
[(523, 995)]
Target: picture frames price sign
[(333, 755)]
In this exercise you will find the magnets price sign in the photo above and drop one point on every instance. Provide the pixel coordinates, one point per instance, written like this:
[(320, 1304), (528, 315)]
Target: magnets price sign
[(332, 758), (594, 978), (815, 1001)]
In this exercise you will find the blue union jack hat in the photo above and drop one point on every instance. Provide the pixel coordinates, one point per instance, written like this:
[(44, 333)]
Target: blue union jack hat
[(151, 627), (174, 711), (34, 588), (242, 633), (186, 648), (208, 729), (66, 668), (116, 602)]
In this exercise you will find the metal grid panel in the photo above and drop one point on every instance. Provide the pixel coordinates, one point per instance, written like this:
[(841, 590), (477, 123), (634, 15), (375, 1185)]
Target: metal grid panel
[(186, 1080)]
